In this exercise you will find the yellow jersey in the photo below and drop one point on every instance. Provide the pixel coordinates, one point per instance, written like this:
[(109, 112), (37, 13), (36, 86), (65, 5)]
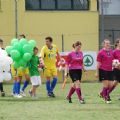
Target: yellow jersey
[(49, 56)]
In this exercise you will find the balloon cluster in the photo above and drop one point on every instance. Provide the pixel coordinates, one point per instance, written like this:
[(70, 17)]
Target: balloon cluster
[(5, 62), (21, 51)]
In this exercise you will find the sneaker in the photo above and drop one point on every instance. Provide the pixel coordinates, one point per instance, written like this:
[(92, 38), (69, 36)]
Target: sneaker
[(30, 93), (52, 95), (82, 101), (3, 94), (108, 100), (119, 98), (69, 99), (18, 96), (100, 95), (22, 93), (49, 95)]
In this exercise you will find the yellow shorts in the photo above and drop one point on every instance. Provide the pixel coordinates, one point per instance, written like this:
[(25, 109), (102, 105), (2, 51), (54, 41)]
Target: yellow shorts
[(19, 71), (50, 72)]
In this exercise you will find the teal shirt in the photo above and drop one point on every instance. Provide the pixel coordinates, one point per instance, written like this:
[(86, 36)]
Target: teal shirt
[(33, 66)]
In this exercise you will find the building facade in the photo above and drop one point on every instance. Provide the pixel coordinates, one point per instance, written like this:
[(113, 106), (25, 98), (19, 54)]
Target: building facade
[(79, 22)]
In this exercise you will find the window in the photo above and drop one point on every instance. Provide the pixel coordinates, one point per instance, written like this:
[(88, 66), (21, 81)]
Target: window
[(64, 4), (80, 4), (32, 4), (48, 4), (57, 4)]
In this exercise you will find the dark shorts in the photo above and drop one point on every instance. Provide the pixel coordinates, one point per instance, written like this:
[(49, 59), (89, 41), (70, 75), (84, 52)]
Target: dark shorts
[(105, 75), (116, 74), (75, 74)]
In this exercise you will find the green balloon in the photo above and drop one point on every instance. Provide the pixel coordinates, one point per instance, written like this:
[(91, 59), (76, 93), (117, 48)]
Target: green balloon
[(22, 63), (32, 43), (13, 41), (16, 65), (27, 57), (18, 47), (9, 49), (27, 48), (23, 41), (15, 55)]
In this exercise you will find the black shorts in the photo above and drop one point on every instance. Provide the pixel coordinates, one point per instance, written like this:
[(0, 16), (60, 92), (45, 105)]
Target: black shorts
[(116, 74), (75, 74), (105, 75)]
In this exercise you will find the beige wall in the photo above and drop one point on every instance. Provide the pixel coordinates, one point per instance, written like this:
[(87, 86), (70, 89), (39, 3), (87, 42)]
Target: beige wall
[(74, 25)]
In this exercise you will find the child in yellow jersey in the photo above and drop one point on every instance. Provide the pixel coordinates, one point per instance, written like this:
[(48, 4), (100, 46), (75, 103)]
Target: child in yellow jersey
[(18, 75), (49, 52)]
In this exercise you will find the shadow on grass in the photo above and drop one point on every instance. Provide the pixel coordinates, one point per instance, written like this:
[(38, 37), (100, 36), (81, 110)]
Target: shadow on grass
[(29, 99)]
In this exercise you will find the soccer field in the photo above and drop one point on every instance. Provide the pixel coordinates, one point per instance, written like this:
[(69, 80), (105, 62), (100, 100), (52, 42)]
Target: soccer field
[(58, 108)]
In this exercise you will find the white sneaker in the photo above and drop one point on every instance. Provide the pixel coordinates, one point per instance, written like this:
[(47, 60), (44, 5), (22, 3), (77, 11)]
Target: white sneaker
[(22, 93), (108, 102), (18, 96)]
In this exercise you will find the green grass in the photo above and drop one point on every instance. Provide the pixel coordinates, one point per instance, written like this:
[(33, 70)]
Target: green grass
[(58, 108)]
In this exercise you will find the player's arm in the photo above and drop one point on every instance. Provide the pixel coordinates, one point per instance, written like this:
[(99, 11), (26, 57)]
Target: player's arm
[(42, 55), (99, 59), (68, 59)]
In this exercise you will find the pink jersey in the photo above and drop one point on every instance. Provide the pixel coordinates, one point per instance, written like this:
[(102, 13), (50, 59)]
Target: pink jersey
[(105, 58), (75, 60), (116, 54)]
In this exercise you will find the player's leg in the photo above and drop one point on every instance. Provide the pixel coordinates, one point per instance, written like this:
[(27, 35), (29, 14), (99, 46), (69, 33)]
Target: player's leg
[(36, 81), (116, 77), (1, 89), (71, 92), (72, 88), (19, 79), (78, 91), (111, 83), (103, 77), (26, 82), (78, 76), (14, 76), (47, 74), (54, 81)]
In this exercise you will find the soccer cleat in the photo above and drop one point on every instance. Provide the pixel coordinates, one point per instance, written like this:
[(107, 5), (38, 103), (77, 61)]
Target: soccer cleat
[(3, 94), (22, 93), (69, 99), (30, 93)]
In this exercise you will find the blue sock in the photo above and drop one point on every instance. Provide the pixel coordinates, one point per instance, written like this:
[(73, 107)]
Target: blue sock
[(48, 86), (14, 87), (18, 87), (53, 84), (25, 85)]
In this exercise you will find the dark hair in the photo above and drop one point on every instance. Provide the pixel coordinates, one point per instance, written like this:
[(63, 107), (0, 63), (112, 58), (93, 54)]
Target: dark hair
[(35, 48), (73, 45), (77, 43), (22, 35), (116, 42), (1, 41), (49, 38)]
